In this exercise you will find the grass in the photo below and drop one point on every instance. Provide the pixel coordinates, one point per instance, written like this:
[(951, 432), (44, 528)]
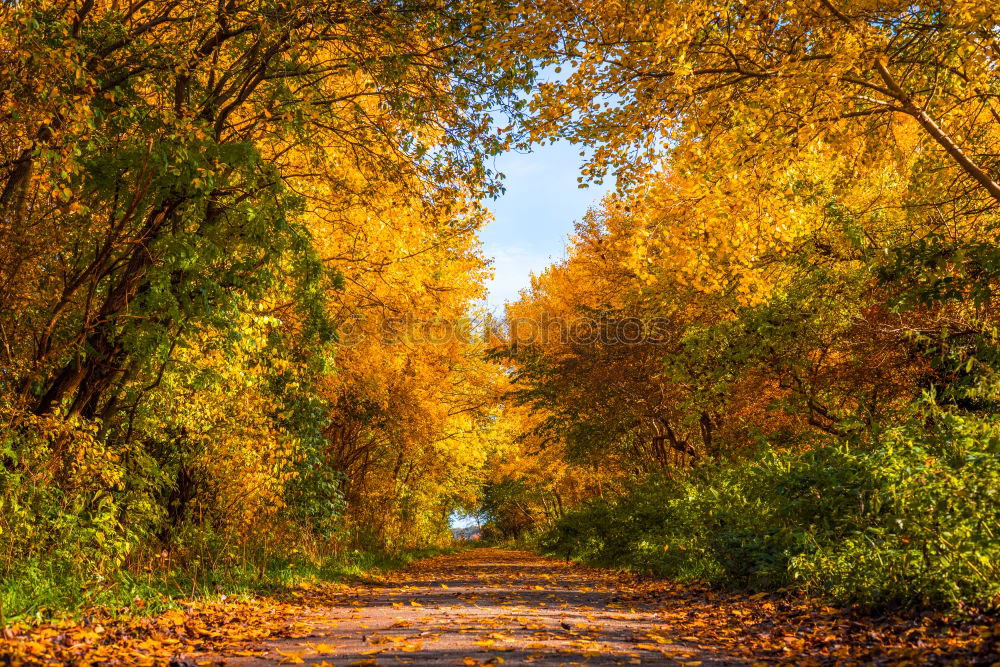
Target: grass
[(39, 592)]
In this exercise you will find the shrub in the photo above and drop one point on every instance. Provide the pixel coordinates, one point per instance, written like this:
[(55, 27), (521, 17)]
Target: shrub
[(911, 520)]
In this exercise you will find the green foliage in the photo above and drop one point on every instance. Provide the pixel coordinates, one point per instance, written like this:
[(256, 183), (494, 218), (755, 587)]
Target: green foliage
[(909, 520), (194, 201), (936, 269), (44, 589), (502, 506)]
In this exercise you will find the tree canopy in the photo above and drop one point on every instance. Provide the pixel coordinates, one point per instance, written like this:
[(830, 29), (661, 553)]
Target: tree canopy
[(241, 309)]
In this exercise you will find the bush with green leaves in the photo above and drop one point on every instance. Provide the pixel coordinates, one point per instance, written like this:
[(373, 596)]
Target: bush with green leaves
[(912, 519)]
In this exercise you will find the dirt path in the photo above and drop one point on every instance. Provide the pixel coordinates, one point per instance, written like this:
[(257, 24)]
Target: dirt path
[(491, 606)]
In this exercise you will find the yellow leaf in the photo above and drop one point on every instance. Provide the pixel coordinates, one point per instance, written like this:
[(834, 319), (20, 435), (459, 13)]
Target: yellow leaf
[(326, 648)]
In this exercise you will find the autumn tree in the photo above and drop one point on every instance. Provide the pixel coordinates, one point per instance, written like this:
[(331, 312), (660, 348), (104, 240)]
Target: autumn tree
[(169, 134), (197, 203), (766, 110)]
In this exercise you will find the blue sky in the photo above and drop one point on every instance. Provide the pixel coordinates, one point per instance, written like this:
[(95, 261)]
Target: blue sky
[(533, 221), (535, 216)]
